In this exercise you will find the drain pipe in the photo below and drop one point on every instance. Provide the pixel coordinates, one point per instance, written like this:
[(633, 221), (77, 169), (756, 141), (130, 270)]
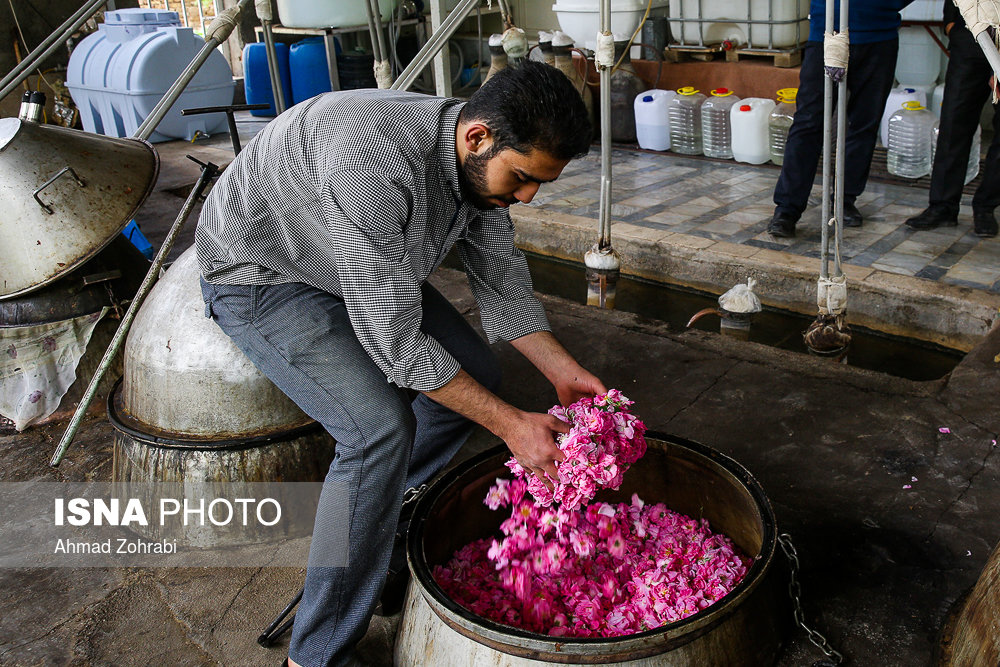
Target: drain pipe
[(263, 9), (219, 29), (383, 70), (47, 47), (829, 334), (602, 261)]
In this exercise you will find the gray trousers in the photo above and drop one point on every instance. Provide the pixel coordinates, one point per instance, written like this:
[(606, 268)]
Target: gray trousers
[(301, 338)]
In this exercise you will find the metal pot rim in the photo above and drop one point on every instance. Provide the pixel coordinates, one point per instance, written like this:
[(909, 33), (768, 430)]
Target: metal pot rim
[(122, 422), (636, 645)]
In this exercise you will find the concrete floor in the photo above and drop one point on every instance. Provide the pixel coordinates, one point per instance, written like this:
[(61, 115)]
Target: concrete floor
[(833, 446)]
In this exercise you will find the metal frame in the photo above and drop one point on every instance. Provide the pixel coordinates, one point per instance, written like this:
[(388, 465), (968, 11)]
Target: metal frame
[(749, 22)]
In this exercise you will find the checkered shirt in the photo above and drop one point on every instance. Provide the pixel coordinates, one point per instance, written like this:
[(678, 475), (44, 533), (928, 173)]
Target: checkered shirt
[(357, 194)]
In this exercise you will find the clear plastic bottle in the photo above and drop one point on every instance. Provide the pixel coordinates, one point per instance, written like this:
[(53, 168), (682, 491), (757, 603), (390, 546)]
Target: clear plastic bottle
[(685, 121), (972, 170), (779, 122), (715, 127), (910, 140)]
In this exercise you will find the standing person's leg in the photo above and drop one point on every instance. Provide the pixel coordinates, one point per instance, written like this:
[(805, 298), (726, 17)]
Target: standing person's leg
[(440, 431), (965, 92), (870, 74), (803, 146), (987, 196), (302, 339)]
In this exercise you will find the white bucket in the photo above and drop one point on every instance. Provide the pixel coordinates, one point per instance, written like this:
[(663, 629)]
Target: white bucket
[(652, 124), (749, 127), (581, 19), (919, 60)]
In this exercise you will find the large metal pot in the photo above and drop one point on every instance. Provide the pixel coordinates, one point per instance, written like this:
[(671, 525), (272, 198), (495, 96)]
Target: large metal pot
[(744, 628), (65, 194), (186, 378)]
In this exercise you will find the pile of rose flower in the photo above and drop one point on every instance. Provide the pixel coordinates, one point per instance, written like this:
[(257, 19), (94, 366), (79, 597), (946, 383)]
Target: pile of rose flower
[(591, 569)]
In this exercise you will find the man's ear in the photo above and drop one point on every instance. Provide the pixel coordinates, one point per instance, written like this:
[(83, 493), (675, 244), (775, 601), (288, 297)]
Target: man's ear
[(477, 137)]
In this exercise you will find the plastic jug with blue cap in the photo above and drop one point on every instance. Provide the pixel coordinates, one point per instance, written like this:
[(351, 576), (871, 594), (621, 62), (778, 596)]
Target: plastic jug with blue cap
[(652, 124)]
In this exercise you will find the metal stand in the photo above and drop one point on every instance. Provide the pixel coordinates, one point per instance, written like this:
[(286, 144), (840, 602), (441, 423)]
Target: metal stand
[(229, 110)]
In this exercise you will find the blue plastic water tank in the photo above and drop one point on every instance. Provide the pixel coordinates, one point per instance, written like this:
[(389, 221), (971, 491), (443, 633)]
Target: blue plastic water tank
[(257, 77), (119, 73), (310, 72)]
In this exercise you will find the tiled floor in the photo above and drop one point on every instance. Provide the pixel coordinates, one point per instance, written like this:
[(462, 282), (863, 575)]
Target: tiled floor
[(729, 201)]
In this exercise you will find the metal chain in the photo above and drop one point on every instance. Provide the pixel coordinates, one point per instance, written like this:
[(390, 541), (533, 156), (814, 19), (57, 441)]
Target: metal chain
[(795, 592)]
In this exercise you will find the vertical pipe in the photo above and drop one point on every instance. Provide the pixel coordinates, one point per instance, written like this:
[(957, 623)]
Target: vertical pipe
[(330, 47), (841, 140), (14, 78), (433, 45), (605, 193), (372, 31), (184, 13), (990, 49), (701, 25), (827, 145), (201, 19), (272, 66)]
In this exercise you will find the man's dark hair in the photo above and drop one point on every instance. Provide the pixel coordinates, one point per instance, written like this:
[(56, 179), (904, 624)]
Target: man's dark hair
[(532, 105)]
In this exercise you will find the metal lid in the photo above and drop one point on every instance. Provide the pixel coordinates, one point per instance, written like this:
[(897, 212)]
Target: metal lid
[(8, 130)]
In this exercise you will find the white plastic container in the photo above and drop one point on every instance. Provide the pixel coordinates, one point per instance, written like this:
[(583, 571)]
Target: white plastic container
[(119, 73), (328, 13), (580, 19), (911, 135), (721, 22), (716, 133), (897, 98), (685, 121), (922, 10), (749, 123), (779, 122), (937, 99), (919, 59), (652, 122)]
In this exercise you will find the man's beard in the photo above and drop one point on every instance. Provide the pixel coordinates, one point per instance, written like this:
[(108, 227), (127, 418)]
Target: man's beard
[(472, 180)]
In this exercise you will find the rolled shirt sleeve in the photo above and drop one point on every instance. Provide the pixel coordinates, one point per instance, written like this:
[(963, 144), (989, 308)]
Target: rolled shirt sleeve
[(499, 277), (366, 214)]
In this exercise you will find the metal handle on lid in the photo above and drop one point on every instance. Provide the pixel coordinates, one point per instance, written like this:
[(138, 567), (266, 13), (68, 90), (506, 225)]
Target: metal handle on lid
[(67, 168)]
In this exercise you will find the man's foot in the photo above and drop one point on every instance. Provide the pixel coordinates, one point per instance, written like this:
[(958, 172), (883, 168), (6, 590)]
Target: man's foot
[(852, 216), (984, 224), (932, 218), (782, 225)]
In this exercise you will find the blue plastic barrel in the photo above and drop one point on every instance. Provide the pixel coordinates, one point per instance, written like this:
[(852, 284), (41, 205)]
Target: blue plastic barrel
[(310, 72), (257, 77)]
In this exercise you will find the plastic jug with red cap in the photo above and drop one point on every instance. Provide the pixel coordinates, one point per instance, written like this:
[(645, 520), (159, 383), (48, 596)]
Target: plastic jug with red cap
[(749, 129), (715, 127)]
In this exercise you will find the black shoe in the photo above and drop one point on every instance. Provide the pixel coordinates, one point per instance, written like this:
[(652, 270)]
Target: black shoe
[(782, 225), (984, 224), (932, 218), (852, 216)]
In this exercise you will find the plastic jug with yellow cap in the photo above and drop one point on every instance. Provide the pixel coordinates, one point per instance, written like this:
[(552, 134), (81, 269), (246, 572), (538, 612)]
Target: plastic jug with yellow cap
[(779, 122), (910, 138), (685, 121), (715, 127)]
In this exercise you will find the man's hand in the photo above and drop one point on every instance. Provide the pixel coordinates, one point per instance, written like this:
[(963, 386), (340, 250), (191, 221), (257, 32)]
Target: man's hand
[(531, 439), (571, 380)]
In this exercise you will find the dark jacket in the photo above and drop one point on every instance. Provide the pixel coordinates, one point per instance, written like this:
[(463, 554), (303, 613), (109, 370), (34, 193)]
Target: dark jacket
[(868, 21)]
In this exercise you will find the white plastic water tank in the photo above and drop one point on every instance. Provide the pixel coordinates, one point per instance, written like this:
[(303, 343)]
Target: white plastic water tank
[(119, 73), (720, 21), (580, 19), (919, 59), (897, 98), (937, 99), (652, 122), (922, 10), (329, 13), (749, 127)]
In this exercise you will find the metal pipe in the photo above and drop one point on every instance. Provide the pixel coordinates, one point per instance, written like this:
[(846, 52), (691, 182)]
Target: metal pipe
[(827, 148), (208, 172), (201, 18), (605, 107), (434, 44), (375, 27), (990, 49), (272, 67), (838, 200), (50, 44), (184, 13), (219, 34)]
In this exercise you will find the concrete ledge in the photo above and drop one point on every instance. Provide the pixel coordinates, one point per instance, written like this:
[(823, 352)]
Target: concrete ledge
[(949, 315)]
